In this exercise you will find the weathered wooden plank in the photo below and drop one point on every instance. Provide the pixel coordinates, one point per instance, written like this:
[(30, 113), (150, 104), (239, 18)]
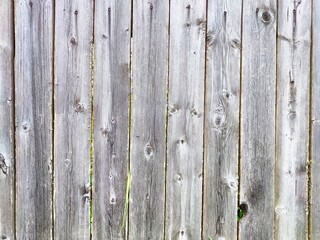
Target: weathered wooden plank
[(73, 40), (258, 119), (293, 75), (147, 157), (33, 100), (222, 119), (6, 122), (111, 116), (185, 123), (315, 117)]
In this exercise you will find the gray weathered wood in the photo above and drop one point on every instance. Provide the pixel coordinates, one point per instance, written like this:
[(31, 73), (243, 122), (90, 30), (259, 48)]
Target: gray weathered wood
[(185, 123), (293, 75), (72, 109), (6, 122), (315, 117), (111, 116), (33, 100), (222, 119), (258, 118), (147, 157)]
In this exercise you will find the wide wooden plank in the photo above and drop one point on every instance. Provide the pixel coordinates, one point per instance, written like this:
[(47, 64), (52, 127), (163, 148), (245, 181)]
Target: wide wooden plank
[(258, 119), (315, 117), (222, 119), (148, 134), (293, 75), (111, 116), (72, 109), (33, 101), (6, 122), (185, 123)]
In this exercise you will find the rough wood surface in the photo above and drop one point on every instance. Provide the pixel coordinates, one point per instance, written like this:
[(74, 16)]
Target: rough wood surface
[(258, 119), (72, 109), (315, 117), (111, 116), (222, 119), (33, 100), (6, 122), (148, 134), (185, 124), (293, 75)]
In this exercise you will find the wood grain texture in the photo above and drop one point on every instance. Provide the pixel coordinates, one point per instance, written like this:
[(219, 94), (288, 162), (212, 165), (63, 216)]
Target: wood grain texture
[(258, 119), (293, 75), (315, 117), (148, 134), (111, 116), (185, 124), (222, 119), (73, 40), (33, 95), (6, 122)]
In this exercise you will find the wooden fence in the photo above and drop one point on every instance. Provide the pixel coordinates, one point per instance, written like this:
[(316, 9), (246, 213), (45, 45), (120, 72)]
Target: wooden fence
[(158, 119)]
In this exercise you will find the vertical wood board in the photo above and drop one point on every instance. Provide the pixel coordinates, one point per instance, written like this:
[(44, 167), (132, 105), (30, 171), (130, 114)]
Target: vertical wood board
[(293, 75), (33, 111), (185, 120), (222, 119), (7, 160), (111, 117), (148, 127), (72, 118), (258, 103)]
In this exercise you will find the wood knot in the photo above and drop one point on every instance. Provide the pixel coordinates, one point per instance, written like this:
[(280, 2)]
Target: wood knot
[(265, 15), (181, 141), (67, 162), (195, 113), (86, 192), (113, 200), (226, 95), (25, 127), (179, 177), (219, 118), (76, 12), (173, 110), (79, 108), (235, 43), (3, 165), (73, 41), (148, 151)]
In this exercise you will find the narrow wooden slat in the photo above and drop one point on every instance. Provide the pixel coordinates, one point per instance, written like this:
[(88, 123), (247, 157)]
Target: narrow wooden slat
[(293, 74), (33, 95), (73, 39), (315, 117), (111, 116), (147, 157), (6, 122), (222, 119), (258, 119), (185, 125)]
